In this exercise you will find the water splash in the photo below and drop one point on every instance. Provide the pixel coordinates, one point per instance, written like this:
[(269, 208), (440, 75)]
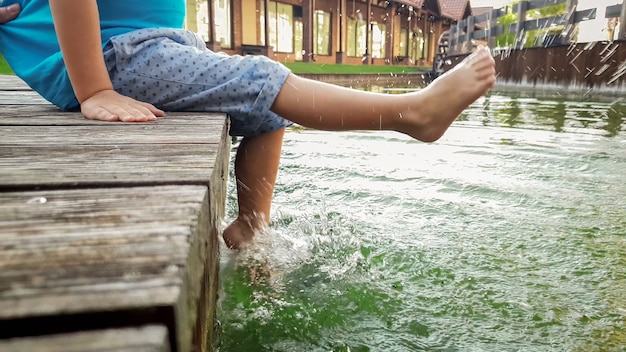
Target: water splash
[(386, 243)]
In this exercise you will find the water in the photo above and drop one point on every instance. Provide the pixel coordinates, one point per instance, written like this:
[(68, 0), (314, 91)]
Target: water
[(508, 234)]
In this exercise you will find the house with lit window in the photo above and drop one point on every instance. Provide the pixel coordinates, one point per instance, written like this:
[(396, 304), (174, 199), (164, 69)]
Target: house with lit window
[(375, 32)]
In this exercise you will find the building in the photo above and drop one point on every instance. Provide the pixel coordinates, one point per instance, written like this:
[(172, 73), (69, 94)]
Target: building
[(375, 32), (599, 28)]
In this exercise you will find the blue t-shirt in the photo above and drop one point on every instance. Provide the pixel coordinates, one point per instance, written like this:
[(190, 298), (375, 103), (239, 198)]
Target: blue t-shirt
[(30, 46)]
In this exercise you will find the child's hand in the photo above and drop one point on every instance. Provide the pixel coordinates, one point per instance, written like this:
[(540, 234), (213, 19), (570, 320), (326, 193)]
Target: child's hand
[(8, 13), (108, 105)]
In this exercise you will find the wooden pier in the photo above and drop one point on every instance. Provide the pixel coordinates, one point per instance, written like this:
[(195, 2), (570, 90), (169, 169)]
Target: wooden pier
[(108, 231)]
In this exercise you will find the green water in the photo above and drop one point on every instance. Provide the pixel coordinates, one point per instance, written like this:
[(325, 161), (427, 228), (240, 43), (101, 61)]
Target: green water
[(508, 234)]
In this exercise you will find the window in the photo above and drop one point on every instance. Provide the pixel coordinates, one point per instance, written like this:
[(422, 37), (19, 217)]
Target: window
[(298, 36), (404, 38), (223, 23), (378, 40), (281, 27), (197, 19), (357, 33), (400, 37), (321, 33), (416, 47)]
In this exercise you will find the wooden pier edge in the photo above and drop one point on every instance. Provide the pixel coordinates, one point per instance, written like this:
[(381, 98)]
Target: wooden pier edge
[(108, 228), (216, 202), (151, 338)]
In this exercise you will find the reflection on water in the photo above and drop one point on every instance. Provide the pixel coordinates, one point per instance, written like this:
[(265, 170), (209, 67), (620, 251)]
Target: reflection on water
[(507, 234), (559, 113), (564, 111)]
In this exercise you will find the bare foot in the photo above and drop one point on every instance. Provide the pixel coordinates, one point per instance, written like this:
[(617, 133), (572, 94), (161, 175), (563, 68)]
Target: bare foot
[(241, 232), (435, 107), (238, 234)]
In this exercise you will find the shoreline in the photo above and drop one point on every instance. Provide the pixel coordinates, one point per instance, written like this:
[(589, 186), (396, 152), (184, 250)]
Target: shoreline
[(421, 78)]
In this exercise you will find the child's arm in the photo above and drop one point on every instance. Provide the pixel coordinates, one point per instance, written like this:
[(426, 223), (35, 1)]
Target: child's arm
[(77, 24)]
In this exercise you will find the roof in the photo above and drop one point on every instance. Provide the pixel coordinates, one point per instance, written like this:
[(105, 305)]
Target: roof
[(455, 9), (415, 3)]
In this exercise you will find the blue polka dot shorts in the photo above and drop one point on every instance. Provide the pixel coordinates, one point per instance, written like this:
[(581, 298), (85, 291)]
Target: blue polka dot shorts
[(173, 70)]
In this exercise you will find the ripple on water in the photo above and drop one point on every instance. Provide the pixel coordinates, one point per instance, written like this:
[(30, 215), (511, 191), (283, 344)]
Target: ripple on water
[(507, 234)]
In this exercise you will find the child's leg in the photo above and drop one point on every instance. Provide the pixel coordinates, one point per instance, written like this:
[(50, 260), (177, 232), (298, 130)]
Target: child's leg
[(174, 71), (424, 115), (256, 165)]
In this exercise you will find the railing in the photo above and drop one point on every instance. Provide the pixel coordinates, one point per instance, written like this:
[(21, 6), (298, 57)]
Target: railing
[(465, 32)]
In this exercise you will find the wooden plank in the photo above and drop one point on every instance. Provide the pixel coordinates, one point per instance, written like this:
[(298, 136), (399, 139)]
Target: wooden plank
[(113, 134), (105, 166), (217, 211), (22, 98), (12, 82), (99, 254), (124, 230), (45, 149), (48, 115), (151, 338), (96, 251)]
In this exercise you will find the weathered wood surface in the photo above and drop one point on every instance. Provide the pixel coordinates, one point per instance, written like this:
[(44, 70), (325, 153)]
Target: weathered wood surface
[(108, 225), (111, 134), (151, 338), (9, 82), (48, 115), (43, 147), (21, 98), (600, 66), (76, 254), (29, 167)]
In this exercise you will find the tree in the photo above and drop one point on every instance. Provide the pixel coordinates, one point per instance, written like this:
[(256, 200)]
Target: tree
[(507, 39), (531, 37), (553, 30)]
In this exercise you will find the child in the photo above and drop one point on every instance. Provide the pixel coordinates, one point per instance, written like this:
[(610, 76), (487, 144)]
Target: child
[(130, 61)]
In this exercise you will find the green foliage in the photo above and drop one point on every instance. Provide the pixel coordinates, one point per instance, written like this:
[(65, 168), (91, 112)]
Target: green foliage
[(330, 69), (507, 39), (534, 37), (313, 68), (4, 67), (547, 11)]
